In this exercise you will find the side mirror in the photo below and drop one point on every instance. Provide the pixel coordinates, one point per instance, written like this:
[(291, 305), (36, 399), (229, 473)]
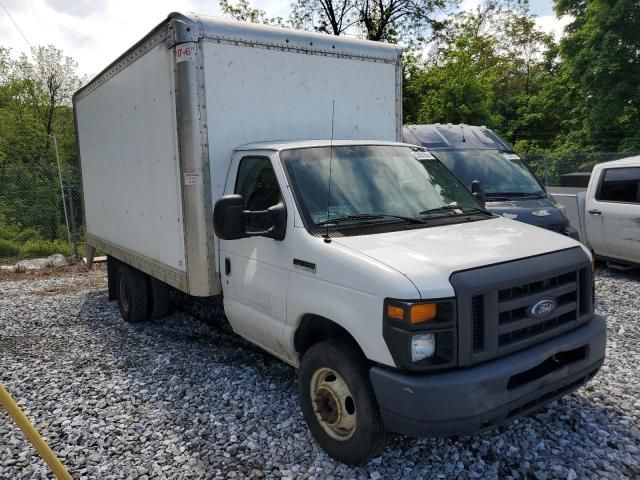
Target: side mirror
[(230, 219), (478, 191)]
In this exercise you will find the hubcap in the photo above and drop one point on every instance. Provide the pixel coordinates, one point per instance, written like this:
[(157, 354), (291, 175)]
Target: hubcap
[(333, 404), (124, 294)]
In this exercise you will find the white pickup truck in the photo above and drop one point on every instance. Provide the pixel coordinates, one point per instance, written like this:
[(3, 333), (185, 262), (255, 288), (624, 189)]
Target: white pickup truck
[(209, 165), (607, 213)]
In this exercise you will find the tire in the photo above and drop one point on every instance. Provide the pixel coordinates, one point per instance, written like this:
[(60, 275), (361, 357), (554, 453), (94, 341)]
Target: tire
[(132, 293), (354, 433), (159, 299)]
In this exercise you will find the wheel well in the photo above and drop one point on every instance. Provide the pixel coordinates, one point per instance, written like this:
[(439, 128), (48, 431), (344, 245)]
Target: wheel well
[(314, 329)]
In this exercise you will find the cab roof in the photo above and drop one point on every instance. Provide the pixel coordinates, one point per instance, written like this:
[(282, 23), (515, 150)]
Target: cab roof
[(279, 145), (629, 161), (440, 136)]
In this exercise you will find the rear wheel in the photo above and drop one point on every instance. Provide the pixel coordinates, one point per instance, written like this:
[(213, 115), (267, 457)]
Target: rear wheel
[(132, 293), (338, 402)]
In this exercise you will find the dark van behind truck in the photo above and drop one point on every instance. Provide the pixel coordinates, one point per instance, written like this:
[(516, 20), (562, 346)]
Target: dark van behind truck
[(477, 154)]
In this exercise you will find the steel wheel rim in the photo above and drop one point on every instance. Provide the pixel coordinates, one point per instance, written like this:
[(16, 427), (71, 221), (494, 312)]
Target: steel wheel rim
[(124, 294), (333, 404)]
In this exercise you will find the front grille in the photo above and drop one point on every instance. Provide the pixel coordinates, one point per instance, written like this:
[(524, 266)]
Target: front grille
[(495, 303), (515, 324), (477, 306)]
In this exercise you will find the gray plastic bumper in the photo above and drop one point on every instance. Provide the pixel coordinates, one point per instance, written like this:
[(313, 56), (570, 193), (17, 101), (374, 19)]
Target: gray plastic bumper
[(465, 401)]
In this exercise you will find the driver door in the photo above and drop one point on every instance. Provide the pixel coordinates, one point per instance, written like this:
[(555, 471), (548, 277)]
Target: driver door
[(255, 270)]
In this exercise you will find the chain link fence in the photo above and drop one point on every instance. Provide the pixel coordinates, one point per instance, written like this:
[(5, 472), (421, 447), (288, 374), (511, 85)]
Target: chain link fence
[(41, 209), (552, 168), (40, 213)]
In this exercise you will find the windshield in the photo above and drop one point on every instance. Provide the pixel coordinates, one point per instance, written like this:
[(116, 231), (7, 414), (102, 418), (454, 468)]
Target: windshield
[(500, 173), (371, 180)]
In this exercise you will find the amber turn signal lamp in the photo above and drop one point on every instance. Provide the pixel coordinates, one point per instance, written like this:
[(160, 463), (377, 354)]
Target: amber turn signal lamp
[(395, 312), (423, 312)]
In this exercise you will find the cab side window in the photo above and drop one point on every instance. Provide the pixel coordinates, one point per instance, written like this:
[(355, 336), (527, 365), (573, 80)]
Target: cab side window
[(258, 185), (620, 185)]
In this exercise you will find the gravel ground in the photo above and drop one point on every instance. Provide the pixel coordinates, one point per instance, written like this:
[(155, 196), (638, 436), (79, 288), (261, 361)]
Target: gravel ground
[(181, 399)]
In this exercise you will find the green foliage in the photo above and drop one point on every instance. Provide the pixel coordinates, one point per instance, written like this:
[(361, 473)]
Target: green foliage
[(383, 20), (35, 105), (18, 234), (8, 248), (27, 234), (484, 68), (455, 91), (601, 56), (243, 11), (494, 66), (44, 248)]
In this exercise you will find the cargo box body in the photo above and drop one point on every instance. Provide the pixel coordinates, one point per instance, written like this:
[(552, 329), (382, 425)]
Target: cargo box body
[(157, 128)]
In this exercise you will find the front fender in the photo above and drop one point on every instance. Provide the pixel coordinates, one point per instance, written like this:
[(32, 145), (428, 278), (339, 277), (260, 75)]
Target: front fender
[(359, 313)]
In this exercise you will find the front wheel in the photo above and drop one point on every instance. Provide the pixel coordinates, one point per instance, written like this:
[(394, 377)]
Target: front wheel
[(338, 402)]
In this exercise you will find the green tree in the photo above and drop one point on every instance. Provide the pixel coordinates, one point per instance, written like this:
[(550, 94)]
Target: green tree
[(326, 16), (243, 11), (455, 91), (601, 54), (35, 104), (485, 67), (390, 20)]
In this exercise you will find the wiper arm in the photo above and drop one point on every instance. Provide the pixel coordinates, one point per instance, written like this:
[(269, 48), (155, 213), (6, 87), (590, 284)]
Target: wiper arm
[(445, 208), (368, 216), (515, 194), (454, 209)]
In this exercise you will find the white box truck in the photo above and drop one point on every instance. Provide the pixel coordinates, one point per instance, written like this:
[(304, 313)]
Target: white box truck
[(260, 166)]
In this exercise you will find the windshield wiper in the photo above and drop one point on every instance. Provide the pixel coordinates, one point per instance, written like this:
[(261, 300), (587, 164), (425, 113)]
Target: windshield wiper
[(514, 194), (453, 208), (368, 216)]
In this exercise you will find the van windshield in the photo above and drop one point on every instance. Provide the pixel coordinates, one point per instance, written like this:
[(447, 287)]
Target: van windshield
[(500, 173), (372, 183)]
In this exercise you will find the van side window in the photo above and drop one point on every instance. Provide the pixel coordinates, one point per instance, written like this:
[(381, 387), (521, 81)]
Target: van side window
[(620, 185), (258, 185)]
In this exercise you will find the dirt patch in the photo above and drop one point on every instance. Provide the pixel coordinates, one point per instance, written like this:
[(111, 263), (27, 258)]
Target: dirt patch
[(99, 271), (77, 286)]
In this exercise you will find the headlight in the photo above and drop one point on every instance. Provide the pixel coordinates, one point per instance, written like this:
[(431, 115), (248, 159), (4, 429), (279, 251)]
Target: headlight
[(423, 346), (421, 335), (561, 208)]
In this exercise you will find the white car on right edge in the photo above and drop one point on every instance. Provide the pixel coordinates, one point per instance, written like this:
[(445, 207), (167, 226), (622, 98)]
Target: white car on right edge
[(607, 214)]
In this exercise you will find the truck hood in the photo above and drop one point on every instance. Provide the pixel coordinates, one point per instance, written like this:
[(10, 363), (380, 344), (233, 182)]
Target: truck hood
[(428, 256), (546, 214)]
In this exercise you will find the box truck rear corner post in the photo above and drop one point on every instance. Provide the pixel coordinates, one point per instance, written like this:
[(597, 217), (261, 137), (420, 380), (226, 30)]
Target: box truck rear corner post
[(260, 166)]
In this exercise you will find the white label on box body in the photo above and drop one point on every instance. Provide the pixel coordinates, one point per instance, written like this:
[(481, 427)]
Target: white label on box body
[(192, 178), (185, 52)]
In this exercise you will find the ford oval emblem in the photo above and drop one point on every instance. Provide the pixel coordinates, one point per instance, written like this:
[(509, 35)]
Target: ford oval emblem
[(542, 308)]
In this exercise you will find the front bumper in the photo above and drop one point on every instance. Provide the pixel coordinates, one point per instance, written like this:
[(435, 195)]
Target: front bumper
[(465, 401)]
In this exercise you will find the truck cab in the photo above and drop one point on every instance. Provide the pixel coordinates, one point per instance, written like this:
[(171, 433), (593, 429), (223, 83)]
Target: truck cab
[(476, 154), (404, 304)]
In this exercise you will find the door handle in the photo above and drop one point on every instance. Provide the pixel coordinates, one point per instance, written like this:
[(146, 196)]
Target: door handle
[(227, 266), (595, 212)]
